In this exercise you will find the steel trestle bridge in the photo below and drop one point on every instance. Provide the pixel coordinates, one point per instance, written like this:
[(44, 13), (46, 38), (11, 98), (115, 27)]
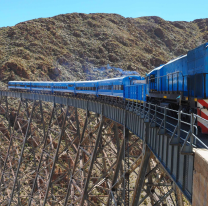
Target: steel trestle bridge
[(73, 151)]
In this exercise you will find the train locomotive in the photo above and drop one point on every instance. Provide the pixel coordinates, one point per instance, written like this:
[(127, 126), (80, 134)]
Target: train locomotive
[(184, 78), (180, 82)]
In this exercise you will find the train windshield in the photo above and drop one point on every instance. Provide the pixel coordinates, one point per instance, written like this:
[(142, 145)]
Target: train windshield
[(136, 81)]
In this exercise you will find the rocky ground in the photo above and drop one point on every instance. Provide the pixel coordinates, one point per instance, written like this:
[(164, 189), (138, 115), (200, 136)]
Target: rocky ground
[(81, 46)]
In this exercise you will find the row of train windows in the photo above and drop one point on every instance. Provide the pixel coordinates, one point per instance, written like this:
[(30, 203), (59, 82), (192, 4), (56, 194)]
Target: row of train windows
[(106, 87), (55, 87), (19, 85), (60, 87), (117, 87), (39, 86), (86, 88), (109, 87)]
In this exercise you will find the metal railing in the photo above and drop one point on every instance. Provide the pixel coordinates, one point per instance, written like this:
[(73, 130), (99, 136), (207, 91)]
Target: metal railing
[(180, 126)]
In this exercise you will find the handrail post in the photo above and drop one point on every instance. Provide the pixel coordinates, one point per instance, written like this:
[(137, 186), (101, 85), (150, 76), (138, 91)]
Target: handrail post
[(148, 113), (136, 110), (187, 148), (155, 113), (140, 108), (165, 119), (192, 130), (143, 110)]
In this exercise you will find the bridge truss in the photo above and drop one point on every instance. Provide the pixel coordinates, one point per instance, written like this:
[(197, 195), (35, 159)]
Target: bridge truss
[(68, 151)]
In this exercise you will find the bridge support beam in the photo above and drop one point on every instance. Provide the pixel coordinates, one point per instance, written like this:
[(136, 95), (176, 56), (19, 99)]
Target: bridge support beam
[(141, 176), (59, 154)]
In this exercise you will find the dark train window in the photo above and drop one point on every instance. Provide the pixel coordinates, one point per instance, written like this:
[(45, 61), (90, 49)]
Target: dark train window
[(86, 88), (117, 87), (105, 87), (70, 85), (152, 78)]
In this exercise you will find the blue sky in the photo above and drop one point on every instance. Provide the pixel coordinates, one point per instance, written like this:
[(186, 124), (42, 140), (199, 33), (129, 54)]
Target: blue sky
[(15, 11)]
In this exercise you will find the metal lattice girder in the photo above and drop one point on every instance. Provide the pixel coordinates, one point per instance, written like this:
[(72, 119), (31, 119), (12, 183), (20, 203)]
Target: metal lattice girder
[(57, 158), (7, 111), (16, 155), (62, 155), (82, 160), (8, 173), (5, 131), (153, 183), (141, 176)]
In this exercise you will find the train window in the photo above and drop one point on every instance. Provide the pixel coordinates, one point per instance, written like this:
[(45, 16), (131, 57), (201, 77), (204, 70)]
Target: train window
[(117, 87), (152, 78), (70, 85)]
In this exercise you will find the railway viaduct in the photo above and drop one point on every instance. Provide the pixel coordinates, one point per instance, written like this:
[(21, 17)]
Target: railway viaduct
[(72, 151)]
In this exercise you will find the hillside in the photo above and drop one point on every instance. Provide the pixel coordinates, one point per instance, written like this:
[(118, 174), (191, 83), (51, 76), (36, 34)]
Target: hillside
[(73, 46)]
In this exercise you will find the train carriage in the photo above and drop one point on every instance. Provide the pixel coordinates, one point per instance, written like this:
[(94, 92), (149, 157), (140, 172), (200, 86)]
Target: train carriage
[(86, 87)]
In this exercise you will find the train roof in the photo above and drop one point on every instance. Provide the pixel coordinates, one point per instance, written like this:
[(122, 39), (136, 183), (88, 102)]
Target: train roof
[(112, 79), (171, 61), (92, 81)]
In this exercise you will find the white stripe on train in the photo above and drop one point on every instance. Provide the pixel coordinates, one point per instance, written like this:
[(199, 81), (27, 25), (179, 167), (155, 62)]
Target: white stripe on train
[(202, 110)]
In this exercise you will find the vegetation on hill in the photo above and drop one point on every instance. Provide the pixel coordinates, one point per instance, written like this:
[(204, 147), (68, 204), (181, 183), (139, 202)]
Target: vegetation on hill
[(70, 47)]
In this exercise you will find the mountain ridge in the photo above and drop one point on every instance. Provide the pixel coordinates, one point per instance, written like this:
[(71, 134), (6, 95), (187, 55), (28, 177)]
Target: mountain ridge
[(69, 47)]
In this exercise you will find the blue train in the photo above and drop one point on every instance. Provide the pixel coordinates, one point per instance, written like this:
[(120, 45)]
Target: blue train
[(184, 78), (117, 87)]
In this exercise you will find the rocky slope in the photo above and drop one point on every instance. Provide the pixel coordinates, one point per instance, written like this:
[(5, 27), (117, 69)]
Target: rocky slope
[(80, 46)]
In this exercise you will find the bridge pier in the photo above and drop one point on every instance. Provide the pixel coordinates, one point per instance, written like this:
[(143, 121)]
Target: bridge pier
[(200, 178)]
